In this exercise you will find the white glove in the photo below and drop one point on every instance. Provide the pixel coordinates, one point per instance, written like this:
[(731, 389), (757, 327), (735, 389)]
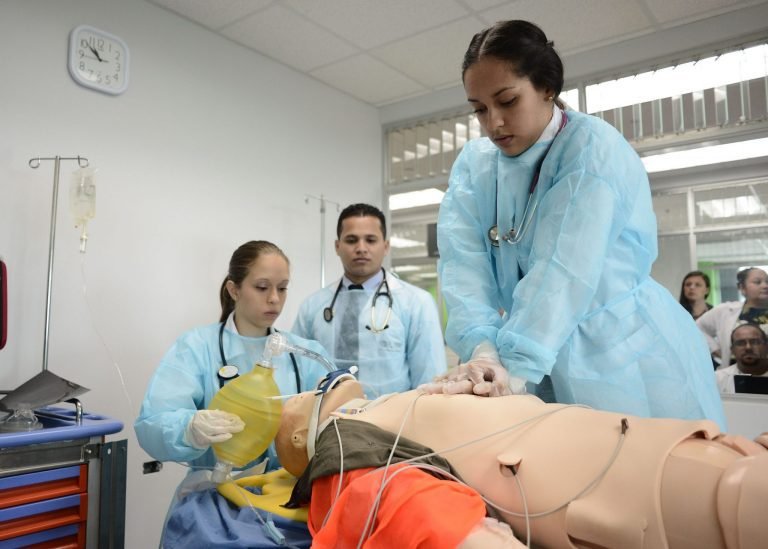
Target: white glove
[(211, 426), (482, 375)]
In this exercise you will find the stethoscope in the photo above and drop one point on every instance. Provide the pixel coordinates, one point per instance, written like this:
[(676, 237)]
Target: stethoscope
[(228, 372), (515, 236), (381, 291)]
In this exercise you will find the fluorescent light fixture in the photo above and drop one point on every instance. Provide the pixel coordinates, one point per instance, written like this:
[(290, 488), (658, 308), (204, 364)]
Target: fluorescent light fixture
[(398, 242), (712, 72), (407, 269), (413, 199), (704, 156)]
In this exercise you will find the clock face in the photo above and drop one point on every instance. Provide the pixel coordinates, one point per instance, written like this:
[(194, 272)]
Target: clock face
[(98, 60)]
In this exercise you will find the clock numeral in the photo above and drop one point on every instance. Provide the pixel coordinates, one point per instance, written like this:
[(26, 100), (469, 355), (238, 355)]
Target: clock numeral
[(81, 53), (82, 65), (116, 77), (117, 66), (117, 56)]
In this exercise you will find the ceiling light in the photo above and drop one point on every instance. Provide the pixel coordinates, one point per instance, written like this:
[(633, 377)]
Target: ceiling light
[(413, 199), (704, 156)]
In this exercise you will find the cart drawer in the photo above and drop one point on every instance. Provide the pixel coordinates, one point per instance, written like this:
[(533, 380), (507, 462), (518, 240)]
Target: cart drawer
[(43, 515), (42, 485)]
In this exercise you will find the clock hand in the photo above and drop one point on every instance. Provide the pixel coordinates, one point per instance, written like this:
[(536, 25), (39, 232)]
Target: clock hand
[(96, 53)]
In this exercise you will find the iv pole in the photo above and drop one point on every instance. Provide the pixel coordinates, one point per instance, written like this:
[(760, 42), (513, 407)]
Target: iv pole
[(34, 163), (322, 201)]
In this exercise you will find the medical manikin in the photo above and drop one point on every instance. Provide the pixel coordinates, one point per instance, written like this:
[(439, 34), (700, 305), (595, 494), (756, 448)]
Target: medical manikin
[(590, 478)]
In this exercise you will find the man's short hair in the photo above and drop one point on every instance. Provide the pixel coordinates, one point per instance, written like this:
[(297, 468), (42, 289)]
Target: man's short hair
[(361, 210), (759, 328)]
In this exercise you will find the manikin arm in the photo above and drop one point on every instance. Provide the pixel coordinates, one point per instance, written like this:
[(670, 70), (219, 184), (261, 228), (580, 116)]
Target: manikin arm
[(491, 534)]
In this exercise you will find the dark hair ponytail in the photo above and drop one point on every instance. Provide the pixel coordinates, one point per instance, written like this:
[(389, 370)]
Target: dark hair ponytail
[(741, 276), (239, 265), (525, 47)]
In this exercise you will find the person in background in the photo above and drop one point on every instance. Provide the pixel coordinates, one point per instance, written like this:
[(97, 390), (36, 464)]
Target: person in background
[(694, 292), (388, 328), (174, 423), (749, 347), (718, 323), (550, 218)]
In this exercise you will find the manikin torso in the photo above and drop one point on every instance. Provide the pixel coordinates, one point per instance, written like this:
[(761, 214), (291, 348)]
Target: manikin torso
[(558, 452)]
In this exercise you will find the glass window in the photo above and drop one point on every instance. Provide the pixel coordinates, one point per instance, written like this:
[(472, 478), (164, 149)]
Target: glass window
[(730, 205)]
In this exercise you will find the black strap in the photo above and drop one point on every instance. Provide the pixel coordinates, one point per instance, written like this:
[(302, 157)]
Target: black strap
[(295, 365), (296, 373)]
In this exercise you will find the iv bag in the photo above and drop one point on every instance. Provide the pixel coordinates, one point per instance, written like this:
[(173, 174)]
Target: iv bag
[(82, 201)]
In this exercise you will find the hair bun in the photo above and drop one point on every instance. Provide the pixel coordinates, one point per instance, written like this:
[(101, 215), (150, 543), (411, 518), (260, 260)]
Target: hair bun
[(551, 43)]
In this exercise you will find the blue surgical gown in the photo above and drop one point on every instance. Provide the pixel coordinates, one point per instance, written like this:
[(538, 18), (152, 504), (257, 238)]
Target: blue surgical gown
[(408, 353), (186, 381), (574, 298)]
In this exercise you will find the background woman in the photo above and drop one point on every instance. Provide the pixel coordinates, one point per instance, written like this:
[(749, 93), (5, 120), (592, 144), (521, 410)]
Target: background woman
[(718, 323), (694, 292), (174, 424), (550, 219)]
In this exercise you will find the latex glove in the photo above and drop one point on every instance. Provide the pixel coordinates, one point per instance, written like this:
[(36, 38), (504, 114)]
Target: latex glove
[(211, 426), (482, 375), (490, 378)]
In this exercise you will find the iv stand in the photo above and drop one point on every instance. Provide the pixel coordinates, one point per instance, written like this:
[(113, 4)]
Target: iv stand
[(34, 163), (322, 200)]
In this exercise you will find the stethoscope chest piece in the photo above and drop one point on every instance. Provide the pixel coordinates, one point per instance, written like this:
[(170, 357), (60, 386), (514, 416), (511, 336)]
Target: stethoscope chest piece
[(328, 314), (510, 236), (227, 372), (493, 236)]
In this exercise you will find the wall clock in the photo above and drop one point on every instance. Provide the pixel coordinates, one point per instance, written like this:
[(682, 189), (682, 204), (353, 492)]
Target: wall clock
[(98, 60)]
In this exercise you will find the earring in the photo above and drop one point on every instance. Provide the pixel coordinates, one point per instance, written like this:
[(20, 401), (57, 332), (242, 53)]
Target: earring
[(550, 98)]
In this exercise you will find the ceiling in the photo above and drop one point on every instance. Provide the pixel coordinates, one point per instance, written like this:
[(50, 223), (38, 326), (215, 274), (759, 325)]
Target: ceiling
[(385, 51)]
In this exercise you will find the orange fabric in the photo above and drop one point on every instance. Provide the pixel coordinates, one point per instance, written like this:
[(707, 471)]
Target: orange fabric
[(416, 510)]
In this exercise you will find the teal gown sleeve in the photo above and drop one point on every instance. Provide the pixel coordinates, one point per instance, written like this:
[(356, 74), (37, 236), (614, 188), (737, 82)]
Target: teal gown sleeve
[(466, 266), (175, 392)]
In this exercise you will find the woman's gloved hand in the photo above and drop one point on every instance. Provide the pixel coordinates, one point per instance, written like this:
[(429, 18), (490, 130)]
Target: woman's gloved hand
[(211, 426)]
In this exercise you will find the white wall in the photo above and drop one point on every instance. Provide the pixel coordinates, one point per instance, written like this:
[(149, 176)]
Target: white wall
[(210, 146)]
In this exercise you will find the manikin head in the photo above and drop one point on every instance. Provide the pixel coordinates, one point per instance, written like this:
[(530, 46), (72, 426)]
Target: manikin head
[(291, 439)]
